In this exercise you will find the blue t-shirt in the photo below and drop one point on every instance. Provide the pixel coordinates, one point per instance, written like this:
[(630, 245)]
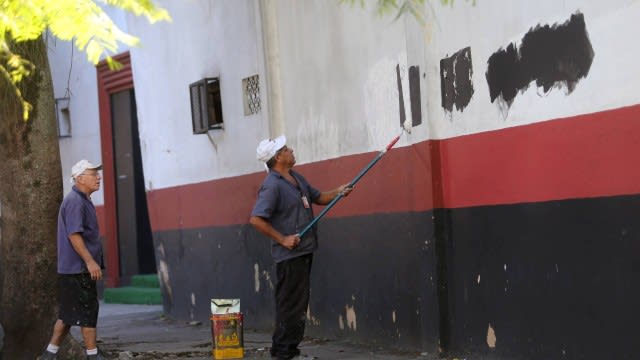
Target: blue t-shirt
[(281, 204), (77, 215)]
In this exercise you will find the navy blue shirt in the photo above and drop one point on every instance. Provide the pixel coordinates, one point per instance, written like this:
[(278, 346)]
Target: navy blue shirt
[(281, 203), (77, 215)]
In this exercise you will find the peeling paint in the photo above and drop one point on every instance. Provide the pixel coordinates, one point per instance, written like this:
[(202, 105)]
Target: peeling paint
[(491, 337), (312, 319), (267, 278), (193, 299), (256, 277), (393, 316), (351, 317), (340, 322), (163, 271)]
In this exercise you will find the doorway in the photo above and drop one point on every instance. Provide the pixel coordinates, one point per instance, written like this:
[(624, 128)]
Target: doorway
[(127, 232), (135, 244)]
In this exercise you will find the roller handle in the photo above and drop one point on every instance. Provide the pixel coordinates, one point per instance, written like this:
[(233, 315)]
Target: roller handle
[(351, 184)]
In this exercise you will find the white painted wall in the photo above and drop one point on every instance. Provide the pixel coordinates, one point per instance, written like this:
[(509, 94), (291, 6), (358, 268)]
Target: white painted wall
[(75, 77), (337, 81), (339, 78), (205, 39), (490, 25)]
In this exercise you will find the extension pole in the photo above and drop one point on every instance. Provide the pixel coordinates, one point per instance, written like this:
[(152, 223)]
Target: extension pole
[(351, 184)]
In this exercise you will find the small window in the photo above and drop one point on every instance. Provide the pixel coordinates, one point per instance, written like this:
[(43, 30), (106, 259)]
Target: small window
[(206, 105), (63, 117)]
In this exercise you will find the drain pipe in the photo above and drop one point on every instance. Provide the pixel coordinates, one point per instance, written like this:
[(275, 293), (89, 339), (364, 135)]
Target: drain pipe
[(269, 19)]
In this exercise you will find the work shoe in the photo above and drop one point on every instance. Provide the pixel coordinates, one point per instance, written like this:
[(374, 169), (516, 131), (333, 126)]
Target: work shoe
[(98, 356), (46, 355)]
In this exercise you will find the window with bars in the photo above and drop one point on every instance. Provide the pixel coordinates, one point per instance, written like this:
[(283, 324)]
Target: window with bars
[(251, 95)]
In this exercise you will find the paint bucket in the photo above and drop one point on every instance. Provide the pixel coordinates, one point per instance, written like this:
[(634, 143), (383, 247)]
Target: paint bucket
[(226, 329)]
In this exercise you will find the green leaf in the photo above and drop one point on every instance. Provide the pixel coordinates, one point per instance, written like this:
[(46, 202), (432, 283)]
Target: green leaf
[(83, 21)]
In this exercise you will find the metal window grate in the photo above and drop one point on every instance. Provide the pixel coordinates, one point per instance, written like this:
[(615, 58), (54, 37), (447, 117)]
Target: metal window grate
[(251, 90)]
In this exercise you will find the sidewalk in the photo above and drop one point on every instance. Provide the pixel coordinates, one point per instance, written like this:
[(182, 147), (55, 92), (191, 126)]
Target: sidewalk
[(141, 332)]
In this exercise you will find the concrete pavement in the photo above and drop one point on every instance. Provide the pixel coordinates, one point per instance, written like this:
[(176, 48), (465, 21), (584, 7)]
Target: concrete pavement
[(142, 332)]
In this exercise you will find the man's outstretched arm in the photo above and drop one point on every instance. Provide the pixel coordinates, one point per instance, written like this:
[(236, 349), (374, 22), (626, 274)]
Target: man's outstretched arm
[(326, 196)]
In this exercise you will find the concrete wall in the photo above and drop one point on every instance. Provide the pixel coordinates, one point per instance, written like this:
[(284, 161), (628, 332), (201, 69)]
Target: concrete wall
[(492, 25), (448, 240), (206, 39), (338, 84)]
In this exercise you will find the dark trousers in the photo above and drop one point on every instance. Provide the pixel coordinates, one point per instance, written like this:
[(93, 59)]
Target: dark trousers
[(292, 300)]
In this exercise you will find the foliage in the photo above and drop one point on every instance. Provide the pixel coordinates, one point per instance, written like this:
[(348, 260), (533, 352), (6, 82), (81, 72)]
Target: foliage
[(83, 21), (401, 7)]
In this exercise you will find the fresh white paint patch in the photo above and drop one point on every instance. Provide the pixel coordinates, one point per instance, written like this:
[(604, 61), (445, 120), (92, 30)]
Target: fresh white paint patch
[(381, 104)]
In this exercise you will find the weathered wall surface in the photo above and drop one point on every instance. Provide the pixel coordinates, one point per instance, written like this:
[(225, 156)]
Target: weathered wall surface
[(501, 226)]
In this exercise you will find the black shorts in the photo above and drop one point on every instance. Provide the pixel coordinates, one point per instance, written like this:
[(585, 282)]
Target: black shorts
[(77, 300)]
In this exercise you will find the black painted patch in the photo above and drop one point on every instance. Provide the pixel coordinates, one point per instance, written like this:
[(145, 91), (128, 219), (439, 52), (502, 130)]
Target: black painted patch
[(553, 56), (414, 95), (403, 114), (456, 83)]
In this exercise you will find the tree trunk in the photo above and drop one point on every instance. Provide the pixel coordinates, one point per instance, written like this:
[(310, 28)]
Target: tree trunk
[(30, 194)]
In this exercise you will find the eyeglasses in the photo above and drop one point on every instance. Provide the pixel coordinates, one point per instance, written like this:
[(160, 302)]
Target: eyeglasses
[(96, 174)]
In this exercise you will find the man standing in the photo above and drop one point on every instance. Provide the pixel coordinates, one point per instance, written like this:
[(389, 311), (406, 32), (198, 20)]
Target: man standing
[(282, 210), (80, 262)]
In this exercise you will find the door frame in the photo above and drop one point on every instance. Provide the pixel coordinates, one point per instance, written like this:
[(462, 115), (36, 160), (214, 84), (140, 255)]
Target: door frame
[(110, 82)]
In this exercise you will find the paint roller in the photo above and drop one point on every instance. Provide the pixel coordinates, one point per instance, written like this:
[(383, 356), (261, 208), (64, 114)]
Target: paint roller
[(406, 127)]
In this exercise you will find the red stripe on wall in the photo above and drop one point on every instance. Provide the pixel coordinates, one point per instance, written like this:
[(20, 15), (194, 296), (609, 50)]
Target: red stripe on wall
[(579, 157), (230, 201), (583, 156)]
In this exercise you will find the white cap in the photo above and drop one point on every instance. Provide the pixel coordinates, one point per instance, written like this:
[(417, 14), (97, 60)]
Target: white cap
[(268, 148), (81, 166)]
